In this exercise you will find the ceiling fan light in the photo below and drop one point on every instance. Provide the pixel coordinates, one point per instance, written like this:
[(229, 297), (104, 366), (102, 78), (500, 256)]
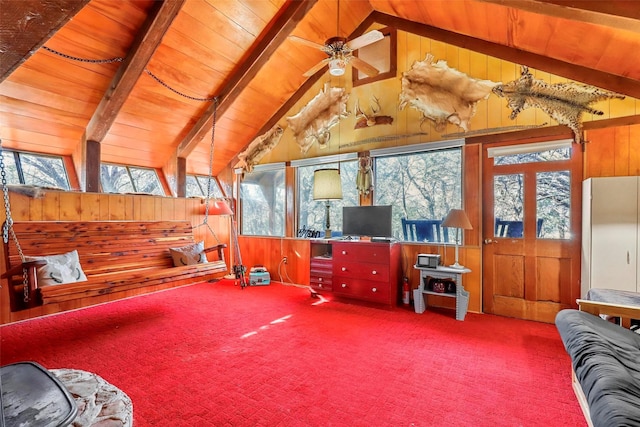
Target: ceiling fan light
[(337, 67)]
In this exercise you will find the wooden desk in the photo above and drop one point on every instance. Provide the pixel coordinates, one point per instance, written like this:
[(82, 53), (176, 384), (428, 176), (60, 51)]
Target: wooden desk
[(455, 274)]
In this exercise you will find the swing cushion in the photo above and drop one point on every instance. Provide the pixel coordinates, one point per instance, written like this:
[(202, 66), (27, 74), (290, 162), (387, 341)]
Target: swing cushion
[(188, 255), (59, 269)]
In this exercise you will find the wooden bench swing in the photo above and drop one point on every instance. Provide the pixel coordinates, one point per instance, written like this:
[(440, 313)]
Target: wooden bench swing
[(115, 256)]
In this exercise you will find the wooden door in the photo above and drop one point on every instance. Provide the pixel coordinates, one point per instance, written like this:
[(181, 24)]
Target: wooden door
[(531, 229)]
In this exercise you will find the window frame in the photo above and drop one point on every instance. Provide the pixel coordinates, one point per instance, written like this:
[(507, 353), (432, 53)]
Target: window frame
[(132, 181), (240, 173), (416, 149), (319, 163), (17, 159)]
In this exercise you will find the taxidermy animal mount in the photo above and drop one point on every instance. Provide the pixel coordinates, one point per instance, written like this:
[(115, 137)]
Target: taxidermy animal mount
[(364, 120), (442, 94), (313, 122), (563, 102), (259, 147)]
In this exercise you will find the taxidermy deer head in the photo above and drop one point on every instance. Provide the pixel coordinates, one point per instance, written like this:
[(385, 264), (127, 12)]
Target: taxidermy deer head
[(370, 119)]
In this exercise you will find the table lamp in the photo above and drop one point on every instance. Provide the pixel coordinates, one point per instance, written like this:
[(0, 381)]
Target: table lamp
[(456, 218), (327, 186)]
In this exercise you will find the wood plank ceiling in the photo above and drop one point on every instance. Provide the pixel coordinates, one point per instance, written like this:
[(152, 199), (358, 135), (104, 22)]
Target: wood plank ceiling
[(149, 106)]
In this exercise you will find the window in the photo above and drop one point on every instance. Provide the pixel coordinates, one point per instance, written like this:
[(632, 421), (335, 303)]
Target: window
[(312, 213), (552, 189), (129, 179), (35, 169), (197, 186), (419, 185), (262, 197)]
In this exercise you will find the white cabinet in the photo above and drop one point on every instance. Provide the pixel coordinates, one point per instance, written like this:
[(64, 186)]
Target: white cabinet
[(610, 233)]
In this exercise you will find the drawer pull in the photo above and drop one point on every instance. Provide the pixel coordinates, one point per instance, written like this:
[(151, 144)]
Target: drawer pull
[(344, 285), (344, 268), (319, 279), (320, 285), (374, 272), (344, 252), (374, 289)]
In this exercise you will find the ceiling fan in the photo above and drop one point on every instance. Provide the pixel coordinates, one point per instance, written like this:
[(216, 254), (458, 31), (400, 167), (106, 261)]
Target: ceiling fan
[(340, 52)]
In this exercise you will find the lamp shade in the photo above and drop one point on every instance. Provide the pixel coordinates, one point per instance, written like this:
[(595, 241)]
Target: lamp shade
[(220, 207), (336, 67), (457, 218), (327, 184)]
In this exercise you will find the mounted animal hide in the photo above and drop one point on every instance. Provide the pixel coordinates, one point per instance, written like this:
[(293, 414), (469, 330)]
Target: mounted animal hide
[(313, 122), (259, 147), (442, 94), (563, 102)]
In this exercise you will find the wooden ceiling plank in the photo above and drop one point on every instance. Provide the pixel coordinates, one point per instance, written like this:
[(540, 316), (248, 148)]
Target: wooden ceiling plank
[(593, 77), (595, 14), (27, 24), (275, 35), (160, 18)]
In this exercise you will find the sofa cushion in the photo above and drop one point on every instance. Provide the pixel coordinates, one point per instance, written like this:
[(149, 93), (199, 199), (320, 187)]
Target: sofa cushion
[(188, 255), (59, 269)]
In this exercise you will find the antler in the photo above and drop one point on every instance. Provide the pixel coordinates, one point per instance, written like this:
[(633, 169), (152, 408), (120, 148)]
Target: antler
[(358, 111), (376, 101)]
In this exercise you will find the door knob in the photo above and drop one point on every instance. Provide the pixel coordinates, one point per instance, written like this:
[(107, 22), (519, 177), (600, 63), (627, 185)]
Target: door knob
[(489, 241)]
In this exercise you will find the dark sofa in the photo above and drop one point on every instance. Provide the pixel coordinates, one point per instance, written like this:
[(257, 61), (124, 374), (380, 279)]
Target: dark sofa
[(606, 366)]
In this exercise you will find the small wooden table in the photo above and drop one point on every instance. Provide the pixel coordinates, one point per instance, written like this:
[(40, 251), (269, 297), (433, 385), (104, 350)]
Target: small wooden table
[(455, 274)]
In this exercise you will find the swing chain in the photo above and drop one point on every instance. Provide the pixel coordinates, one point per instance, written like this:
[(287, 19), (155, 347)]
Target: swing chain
[(209, 177), (8, 228)]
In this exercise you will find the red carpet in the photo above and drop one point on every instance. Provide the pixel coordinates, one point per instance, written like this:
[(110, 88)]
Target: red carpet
[(215, 355)]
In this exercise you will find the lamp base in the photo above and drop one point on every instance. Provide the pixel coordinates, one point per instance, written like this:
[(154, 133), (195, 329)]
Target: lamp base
[(457, 266), (327, 233)]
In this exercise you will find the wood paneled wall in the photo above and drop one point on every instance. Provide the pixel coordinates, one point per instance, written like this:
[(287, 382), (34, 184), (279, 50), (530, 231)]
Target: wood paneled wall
[(269, 251), (613, 151), (75, 206)]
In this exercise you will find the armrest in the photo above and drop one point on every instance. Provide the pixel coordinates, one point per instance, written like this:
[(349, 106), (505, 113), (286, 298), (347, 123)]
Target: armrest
[(624, 312), (218, 248), (17, 270)]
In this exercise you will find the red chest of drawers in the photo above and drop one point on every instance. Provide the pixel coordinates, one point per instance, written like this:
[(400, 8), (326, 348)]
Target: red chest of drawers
[(360, 270)]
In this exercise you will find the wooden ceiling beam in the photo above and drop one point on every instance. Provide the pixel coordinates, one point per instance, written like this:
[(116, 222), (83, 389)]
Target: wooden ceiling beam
[(275, 35), (145, 44), (622, 15), (579, 73), (26, 25)]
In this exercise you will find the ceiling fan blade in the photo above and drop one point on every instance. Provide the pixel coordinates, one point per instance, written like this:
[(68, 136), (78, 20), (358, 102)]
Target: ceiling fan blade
[(365, 67), (365, 39), (317, 67), (307, 42)]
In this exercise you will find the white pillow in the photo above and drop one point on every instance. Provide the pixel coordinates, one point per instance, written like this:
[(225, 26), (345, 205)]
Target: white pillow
[(190, 254), (59, 269)]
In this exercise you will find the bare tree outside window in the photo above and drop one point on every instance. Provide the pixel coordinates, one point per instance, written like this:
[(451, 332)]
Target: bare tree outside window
[(128, 179), (35, 169), (425, 185), (311, 213), (262, 196)]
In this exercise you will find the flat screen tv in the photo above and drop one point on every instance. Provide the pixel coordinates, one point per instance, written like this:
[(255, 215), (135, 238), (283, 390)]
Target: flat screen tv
[(371, 221)]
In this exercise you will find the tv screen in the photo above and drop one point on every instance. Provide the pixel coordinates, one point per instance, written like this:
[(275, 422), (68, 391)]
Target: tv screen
[(371, 221)]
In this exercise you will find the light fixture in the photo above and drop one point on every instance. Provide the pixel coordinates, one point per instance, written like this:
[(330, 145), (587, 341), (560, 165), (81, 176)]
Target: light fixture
[(327, 186), (220, 207), (456, 218), (337, 67)]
